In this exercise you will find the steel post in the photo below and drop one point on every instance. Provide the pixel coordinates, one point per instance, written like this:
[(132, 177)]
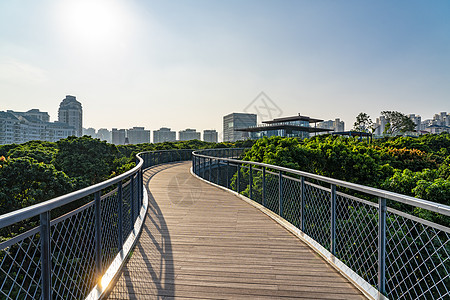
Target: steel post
[(250, 182), (210, 170), (264, 187), (238, 178), (228, 178), (132, 205), (333, 219), (98, 235), (302, 199), (280, 193), (218, 171), (382, 245), (46, 262), (120, 214)]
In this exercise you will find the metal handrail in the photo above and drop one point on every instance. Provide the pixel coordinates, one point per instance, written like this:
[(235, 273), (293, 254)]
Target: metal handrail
[(428, 205), (87, 245), (36, 209), (383, 251)]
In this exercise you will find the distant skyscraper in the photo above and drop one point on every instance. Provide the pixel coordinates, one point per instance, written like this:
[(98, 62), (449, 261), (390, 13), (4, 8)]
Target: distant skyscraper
[(164, 134), (236, 121), (104, 135), (337, 125), (210, 136), (118, 136), (71, 113), (90, 131), (138, 135), (188, 134)]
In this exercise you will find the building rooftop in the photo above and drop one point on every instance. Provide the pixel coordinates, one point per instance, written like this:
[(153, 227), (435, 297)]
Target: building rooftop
[(293, 118)]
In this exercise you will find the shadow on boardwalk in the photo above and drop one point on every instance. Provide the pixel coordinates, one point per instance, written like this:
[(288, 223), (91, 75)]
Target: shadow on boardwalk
[(212, 245), (150, 264)]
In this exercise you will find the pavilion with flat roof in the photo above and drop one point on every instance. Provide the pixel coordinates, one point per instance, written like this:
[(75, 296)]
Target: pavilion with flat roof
[(295, 126)]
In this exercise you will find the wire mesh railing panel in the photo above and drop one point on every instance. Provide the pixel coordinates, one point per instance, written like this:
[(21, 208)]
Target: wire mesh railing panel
[(257, 186), (232, 173), (418, 265), (395, 254), (20, 268), (292, 201), (272, 192), (222, 174), (317, 214), (110, 228), (73, 255), (357, 236), (126, 208)]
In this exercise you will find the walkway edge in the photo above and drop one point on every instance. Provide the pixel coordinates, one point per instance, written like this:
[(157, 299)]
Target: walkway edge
[(368, 290), (114, 269)]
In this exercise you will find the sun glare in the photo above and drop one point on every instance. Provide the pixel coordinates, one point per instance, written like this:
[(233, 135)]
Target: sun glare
[(93, 23)]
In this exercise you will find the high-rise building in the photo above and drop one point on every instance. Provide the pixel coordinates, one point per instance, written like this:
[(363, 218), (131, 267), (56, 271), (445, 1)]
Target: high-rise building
[(380, 125), (210, 136), (40, 115), (417, 120), (71, 113), (188, 134), (164, 134), (337, 125), (90, 132), (104, 135), (21, 127), (235, 121), (118, 136), (138, 135)]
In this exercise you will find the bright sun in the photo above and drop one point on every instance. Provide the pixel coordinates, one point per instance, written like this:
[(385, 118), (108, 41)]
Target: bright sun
[(93, 23)]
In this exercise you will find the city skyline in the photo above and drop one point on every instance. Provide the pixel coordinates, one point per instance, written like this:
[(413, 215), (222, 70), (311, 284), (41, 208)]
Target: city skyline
[(158, 64)]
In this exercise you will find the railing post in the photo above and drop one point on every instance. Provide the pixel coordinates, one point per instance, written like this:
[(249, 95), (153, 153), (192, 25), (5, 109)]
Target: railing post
[(218, 172), (98, 235), (302, 199), (264, 187), (46, 262), (280, 193), (382, 245), (238, 178), (210, 170), (132, 192), (333, 219), (203, 167), (250, 182), (227, 174), (120, 214)]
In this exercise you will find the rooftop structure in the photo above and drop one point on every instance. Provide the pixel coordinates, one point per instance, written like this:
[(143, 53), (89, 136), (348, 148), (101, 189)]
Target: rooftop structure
[(295, 126)]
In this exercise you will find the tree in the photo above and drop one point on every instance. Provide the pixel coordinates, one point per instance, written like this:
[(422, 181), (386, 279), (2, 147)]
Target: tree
[(24, 182), (88, 160), (363, 123), (398, 122)]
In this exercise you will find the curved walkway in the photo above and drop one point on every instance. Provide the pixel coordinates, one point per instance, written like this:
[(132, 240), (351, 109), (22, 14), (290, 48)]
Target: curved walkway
[(199, 241)]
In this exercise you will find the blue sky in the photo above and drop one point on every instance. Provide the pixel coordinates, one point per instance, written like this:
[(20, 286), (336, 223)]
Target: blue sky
[(187, 63)]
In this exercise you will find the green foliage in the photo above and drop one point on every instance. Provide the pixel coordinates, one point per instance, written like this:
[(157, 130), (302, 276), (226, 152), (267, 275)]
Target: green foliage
[(418, 167), (40, 151), (25, 181), (88, 160), (363, 123), (398, 122)]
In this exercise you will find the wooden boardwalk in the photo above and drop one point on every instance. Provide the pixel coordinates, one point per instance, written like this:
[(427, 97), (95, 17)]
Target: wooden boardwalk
[(199, 241)]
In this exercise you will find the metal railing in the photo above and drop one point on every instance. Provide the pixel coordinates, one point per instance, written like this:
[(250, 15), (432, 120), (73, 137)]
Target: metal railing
[(76, 254), (384, 251)]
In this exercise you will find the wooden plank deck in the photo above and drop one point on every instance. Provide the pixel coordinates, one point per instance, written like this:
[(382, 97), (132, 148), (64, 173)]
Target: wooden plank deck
[(199, 241)]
